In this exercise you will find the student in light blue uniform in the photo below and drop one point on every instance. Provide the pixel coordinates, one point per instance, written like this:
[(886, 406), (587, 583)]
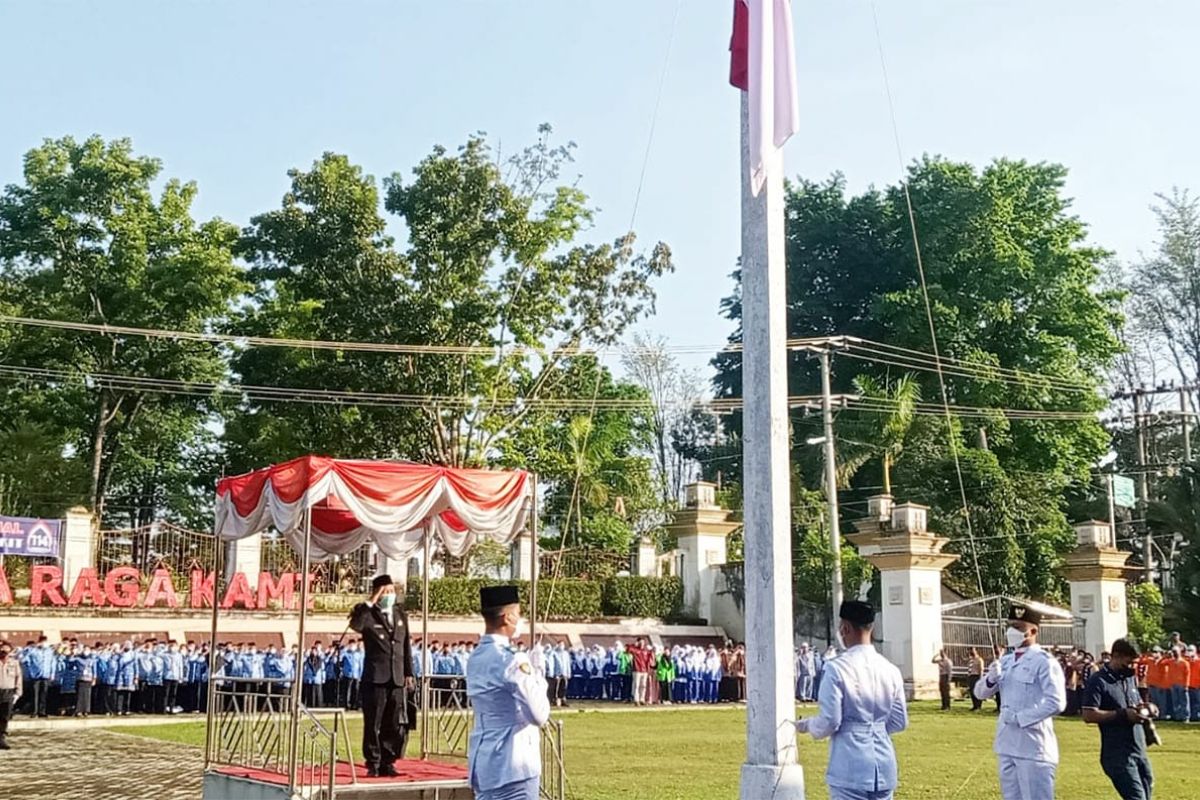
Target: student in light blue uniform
[(508, 693), (40, 662), (861, 707), (313, 690), (577, 686), (127, 669), (173, 675)]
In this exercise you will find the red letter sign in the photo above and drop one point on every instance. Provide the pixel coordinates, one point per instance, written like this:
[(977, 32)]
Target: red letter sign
[(161, 588), (202, 589), (238, 592), (46, 584), (284, 590), (121, 587), (87, 585)]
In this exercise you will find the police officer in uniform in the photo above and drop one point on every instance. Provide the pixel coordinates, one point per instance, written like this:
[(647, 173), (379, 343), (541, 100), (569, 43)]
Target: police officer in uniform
[(387, 675), (508, 692), (1034, 690), (861, 707)]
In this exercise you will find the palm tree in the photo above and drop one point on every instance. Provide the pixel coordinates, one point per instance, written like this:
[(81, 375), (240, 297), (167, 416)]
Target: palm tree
[(881, 430)]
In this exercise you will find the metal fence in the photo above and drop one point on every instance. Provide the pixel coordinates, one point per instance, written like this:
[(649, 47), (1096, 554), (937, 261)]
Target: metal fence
[(160, 545), (583, 563), (345, 574), (961, 635)]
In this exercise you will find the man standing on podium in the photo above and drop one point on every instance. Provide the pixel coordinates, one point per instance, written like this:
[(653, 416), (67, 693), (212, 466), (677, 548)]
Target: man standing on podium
[(508, 693), (387, 675)]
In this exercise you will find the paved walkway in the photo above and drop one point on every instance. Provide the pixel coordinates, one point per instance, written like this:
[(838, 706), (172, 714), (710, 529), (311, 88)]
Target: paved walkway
[(88, 765)]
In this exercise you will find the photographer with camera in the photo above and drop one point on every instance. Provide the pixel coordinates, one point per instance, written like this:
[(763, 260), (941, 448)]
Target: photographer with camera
[(1111, 702)]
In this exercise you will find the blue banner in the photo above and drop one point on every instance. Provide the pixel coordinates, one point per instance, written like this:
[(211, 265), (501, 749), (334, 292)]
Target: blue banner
[(25, 536)]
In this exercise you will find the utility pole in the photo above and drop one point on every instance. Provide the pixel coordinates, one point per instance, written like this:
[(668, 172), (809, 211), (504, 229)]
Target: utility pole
[(1112, 511), (1183, 422), (831, 492), (1143, 493)]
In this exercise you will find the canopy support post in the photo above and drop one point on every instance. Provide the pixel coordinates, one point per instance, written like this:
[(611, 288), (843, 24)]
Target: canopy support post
[(294, 738), (427, 557), (533, 561), (210, 719)]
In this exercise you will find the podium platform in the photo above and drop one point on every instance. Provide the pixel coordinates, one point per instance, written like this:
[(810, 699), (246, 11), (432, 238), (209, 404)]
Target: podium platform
[(418, 780)]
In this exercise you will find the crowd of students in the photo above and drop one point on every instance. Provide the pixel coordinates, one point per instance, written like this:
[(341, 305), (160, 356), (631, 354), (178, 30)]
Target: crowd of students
[(74, 678)]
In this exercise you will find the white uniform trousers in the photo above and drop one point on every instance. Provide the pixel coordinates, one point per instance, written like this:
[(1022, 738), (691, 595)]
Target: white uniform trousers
[(836, 793), (1026, 779), (519, 790)]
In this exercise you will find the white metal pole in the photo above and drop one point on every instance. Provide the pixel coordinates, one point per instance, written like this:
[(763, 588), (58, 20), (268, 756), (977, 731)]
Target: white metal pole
[(770, 771), (293, 748), (425, 678), (831, 491)]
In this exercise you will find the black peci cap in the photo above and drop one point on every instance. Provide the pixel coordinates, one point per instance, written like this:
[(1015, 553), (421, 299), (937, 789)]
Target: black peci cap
[(380, 581), (857, 612), (498, 596), (1024, 614)]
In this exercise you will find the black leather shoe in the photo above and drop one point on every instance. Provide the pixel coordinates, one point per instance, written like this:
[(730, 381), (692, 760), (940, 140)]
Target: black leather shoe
[(372, 772), (4, 745), (388, 771)]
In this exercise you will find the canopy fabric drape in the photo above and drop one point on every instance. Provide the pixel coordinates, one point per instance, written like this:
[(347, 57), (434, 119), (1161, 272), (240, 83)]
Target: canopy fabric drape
[(393, 504)]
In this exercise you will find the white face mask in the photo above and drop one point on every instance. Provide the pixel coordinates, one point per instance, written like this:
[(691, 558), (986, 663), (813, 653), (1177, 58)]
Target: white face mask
[(520, 629), (1015, 637)]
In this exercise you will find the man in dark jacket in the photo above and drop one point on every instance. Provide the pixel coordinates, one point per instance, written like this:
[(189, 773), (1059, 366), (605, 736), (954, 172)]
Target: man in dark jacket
[(387, 675)]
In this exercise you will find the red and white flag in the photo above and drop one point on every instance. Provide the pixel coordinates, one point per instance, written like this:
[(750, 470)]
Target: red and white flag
[(763, 64)]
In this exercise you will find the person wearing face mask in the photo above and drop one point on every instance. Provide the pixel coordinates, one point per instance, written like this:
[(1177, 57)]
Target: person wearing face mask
[(1111, 702), (1034, 690), (509, 694), (861, 706), (387, 676), (10, 689)]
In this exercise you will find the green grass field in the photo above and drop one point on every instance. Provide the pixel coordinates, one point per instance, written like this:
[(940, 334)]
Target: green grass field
[(695, 754)]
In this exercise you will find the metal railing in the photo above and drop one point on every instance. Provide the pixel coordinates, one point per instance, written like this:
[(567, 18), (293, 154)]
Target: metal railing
[(316, 756), (448, 717), (252, 729), (251, 725), (554, 770)]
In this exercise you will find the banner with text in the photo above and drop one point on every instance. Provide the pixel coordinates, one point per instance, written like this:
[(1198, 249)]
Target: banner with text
[(26, 536)]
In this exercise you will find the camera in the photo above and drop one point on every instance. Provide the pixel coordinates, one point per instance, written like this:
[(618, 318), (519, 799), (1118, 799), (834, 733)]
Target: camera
[(1147, 713)]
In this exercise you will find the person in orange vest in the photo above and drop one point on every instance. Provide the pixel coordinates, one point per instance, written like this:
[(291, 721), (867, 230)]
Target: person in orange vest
[(1141, 669), (1180, 670), (1159, 680), (1194, 682)]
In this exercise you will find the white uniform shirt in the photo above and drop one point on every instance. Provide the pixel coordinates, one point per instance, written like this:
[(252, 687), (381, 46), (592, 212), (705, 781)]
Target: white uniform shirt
[(861, 706), (510, 702), (1032, 692)]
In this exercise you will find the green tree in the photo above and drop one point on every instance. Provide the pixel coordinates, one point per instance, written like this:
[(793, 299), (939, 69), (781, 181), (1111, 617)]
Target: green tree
[(84, 238), (1146, 614), (1013, 284), (1174, 519), (491, 282)]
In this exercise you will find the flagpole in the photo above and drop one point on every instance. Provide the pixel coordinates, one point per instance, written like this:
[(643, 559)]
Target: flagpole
[(770, 771)]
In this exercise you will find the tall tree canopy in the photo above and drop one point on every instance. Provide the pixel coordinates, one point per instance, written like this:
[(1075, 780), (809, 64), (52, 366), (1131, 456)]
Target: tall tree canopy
[(1013, 284), (84, 238), (490, 284)]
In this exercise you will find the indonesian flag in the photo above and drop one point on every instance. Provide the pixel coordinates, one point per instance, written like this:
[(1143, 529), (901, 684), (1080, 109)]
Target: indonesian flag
[(763, 64)]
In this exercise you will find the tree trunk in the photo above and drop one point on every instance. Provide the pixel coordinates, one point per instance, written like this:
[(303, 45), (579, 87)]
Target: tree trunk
[(95, 496)]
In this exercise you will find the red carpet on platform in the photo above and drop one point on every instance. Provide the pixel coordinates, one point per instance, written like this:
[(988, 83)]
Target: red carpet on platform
[(411, 771)]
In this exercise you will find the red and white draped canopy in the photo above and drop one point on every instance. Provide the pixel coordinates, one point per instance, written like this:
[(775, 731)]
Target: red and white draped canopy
[(392, 504)]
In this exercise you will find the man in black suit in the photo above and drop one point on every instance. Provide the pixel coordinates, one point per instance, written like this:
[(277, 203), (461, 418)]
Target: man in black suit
[(387, 675)]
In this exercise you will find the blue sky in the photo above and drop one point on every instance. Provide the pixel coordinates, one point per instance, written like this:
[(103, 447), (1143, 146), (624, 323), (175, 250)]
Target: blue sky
[(233, 94)]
